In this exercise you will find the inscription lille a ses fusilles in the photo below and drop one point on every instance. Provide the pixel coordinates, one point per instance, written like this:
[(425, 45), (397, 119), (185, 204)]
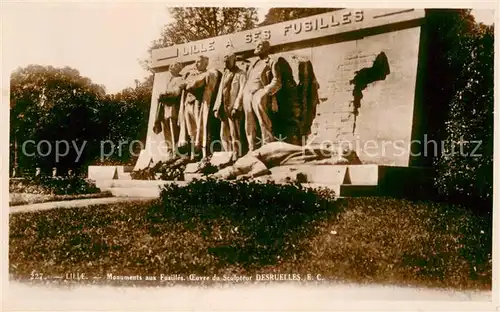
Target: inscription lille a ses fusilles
[(293, 28)]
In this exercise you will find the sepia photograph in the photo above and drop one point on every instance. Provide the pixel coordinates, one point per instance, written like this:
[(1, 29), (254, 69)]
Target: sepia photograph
[(165, 157)]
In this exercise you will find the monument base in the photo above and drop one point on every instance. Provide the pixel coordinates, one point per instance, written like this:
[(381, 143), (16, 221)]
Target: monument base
[(344, 180), (97, 173)]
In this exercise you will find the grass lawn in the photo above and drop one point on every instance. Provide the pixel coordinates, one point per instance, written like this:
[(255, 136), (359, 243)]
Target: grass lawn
[(212, 228)]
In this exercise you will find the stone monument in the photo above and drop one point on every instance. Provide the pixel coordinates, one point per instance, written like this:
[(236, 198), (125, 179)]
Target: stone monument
[(228, 104), (196, 105), (167, 112), (344, 100), (347, 77)]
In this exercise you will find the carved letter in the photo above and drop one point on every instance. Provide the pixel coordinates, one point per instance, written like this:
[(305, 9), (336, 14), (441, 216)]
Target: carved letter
[(194, 49), (346, 18), (267, 34), (256, 36), (323, 25), (358, 16), (229, 43), (334, 21), (186, 51), (316, 24), (248, 38), (308, 26), (211, 46), (297, 27), (203, 48), (287, 29)]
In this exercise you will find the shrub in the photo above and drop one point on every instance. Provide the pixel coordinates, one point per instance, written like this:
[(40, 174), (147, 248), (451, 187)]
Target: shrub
[(55, 186), (249, 223)]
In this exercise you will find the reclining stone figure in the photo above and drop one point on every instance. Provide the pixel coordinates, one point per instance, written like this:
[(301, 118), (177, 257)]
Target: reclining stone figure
[(257, 163)]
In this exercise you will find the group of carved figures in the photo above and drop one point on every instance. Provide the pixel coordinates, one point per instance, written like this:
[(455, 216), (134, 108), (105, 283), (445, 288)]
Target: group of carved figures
[(264, 101)]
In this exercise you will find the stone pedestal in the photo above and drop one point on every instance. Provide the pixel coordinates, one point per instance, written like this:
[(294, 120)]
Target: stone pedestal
[(345, 180), (109, 172), (97, 173)]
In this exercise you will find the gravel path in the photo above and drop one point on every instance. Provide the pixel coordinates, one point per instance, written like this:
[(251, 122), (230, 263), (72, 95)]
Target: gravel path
[(74, 203)]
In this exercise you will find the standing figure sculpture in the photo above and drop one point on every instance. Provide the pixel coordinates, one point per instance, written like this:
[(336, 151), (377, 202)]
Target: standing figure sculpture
[(230, 92), (168, 108), (258, 96), (195, 107)]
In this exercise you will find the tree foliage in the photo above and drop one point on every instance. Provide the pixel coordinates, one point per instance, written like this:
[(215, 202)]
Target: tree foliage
[(277, 15), (196, 23), (125, 119), (59, 105), (53, 104), (461, 93)]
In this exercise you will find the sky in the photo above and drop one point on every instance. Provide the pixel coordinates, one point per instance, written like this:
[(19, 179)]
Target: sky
[(104, 41)]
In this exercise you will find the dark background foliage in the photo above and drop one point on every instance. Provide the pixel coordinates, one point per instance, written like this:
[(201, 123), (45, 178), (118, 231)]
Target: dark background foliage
[(52, 104), (196, 23), (57, 104), (277, 15), (125, 119), (460, 103)]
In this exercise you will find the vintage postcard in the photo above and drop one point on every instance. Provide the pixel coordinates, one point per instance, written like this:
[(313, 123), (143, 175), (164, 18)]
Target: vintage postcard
[(165, 157)]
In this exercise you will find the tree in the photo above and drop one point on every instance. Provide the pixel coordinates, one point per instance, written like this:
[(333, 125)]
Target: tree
[(277, 15), (124, 118), (57, 104), (191, 23), (53, 104), (460, 87)]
